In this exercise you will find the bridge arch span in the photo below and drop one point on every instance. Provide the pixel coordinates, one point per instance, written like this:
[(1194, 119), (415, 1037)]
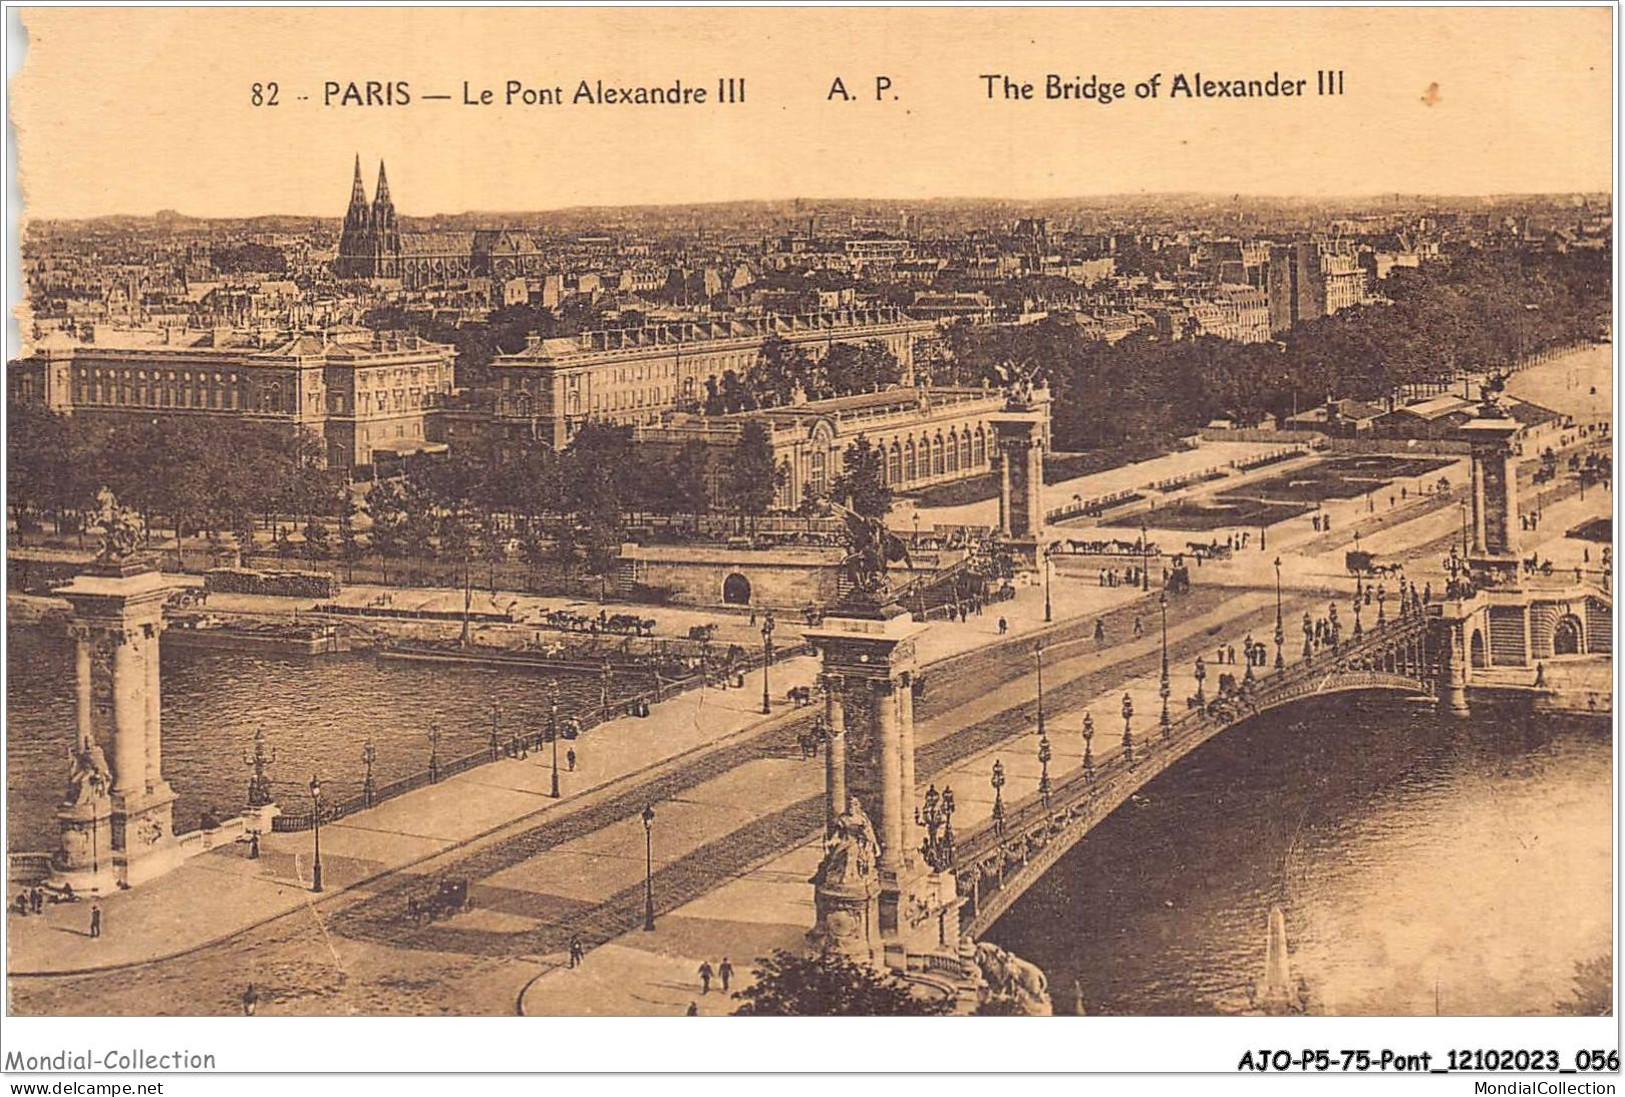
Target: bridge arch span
[(995, 865)]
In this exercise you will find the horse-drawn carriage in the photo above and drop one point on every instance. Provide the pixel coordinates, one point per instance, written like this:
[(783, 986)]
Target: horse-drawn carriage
[(449, 898)]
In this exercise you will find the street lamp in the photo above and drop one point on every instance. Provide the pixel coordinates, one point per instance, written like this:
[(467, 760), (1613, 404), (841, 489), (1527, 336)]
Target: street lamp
[(1048, 615), (1280, 633), (1308, 640), (496, 733), (648, 868), (1044, 756), (553, 732), (1201, 673), (936, 818), (316, 814), (1145, 558), (1162, 689), (1088, 752), (369, 755), (998, 797), (259, 785), (603, 690), (434, 753), (1359, 596), (1382, 597), (767, 658), (1128, 735)]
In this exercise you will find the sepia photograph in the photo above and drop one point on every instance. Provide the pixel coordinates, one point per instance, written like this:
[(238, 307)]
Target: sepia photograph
[(808, 512)]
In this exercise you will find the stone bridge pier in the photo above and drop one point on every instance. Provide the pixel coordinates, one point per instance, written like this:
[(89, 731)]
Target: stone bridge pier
[(116, 818), (875, 896)]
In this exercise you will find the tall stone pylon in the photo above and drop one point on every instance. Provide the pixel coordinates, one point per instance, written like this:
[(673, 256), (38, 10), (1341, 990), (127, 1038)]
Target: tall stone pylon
[(116, 819), (1493, 555), (1021, 433)]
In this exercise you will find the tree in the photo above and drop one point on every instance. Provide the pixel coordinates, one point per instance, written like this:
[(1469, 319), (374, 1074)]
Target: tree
[(689, 474), (828, 985), (755, 477), (780, 369), (862, 486)]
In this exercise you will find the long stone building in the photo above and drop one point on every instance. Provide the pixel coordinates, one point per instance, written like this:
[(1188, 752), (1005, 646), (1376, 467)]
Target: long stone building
[(635, 376), (362, 393), (926, 437)]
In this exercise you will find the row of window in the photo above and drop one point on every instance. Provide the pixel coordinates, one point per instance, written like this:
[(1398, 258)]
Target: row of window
[(906, 462)]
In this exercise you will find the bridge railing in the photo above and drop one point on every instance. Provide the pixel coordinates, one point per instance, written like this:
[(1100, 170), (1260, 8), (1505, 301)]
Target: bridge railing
[(1024, 846)]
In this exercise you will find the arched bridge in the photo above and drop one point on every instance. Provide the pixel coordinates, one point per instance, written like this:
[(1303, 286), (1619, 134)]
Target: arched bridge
[(997, 863)]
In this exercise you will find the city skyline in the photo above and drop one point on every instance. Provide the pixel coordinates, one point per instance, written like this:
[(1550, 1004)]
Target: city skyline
[(1511, 93)]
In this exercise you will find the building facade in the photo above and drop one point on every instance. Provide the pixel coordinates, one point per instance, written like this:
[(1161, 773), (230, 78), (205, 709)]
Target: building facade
[(635, 376), (926, 436), (360, 392)]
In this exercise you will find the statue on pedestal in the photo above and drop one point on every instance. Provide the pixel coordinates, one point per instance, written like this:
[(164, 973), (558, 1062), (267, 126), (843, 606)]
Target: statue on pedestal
[(870, 548), (122, 529), (88, 774), (1009, 976), (1017, 382)]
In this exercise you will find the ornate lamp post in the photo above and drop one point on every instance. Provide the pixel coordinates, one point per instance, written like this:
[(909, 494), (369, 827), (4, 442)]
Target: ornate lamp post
[(1145, 558), (1333, 625), (998, 797), (259, 785), (553, 733), (1038, 649), (1088, 752), (1382, 597), (1162, 688), (1280, 633), (603, 689), (434, 753), (936, 819), (496, 732), (648, 868), (369, 755), (767, 658), (316, 815), (1128, 734), (1044, 756), (1201, 673), (1048, 613), (1308, 640), (1359, 597)]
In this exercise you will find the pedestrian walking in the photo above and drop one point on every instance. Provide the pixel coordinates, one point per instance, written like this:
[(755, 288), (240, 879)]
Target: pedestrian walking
[(577, 953), (725, 971), (1139, 629), (36, 898), (95, 918), (1004, 626), (251, 1000), (693, 1010), (705, 977), (1100, 630), (570, 759)]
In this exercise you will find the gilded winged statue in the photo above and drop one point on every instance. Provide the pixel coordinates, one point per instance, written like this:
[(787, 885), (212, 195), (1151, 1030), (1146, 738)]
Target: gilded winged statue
[(870, 548), (122, 529)]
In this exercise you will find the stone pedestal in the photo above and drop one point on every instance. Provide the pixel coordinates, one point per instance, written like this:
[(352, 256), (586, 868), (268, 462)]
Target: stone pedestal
[(873, 869), (1448, 638), (1020, 432), (116, 818), (1493, 556)]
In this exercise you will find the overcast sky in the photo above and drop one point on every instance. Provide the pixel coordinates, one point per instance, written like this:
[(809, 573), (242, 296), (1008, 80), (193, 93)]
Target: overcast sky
[(132, 111)]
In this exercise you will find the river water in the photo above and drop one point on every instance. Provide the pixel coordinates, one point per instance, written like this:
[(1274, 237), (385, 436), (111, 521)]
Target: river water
[(316, 712), (1422, 862)]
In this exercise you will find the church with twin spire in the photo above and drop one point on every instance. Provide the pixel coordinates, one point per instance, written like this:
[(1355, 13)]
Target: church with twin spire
[(373, 247)]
